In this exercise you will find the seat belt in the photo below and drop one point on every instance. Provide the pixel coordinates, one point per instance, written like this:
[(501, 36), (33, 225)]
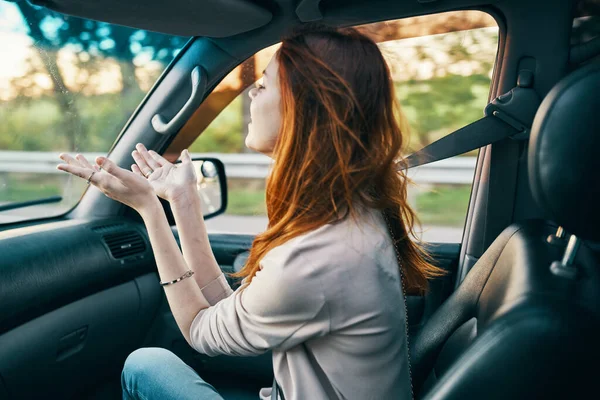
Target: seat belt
[(276, 392), (508, 115)]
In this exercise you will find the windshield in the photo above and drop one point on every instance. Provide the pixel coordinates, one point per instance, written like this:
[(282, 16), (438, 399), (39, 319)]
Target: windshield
[(66, 85)]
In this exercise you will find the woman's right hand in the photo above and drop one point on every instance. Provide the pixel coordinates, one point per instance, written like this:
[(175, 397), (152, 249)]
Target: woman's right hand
[(169, 181)]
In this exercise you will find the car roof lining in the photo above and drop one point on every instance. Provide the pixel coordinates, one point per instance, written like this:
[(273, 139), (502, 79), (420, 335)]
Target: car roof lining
[(229, 18), (177, 17)]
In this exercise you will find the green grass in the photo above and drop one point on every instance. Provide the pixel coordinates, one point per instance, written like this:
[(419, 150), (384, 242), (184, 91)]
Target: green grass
[(444, 205), (246, 202), (13, 189), (17, 187)]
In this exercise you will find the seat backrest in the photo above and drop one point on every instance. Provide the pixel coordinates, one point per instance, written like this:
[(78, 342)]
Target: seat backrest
[(525, 321)]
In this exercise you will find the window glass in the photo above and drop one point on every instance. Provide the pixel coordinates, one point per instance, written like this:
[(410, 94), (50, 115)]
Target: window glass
[(66, 85), (586, 22), (442, 68)]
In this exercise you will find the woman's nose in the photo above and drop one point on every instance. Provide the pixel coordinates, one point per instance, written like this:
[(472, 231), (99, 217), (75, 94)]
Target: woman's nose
[(252, 92)]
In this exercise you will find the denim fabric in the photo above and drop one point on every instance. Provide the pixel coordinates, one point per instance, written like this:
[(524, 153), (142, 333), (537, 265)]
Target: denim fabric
[(156, 373)]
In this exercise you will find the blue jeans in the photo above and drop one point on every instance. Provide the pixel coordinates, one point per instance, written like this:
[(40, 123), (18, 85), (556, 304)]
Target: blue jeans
[(156, 373)]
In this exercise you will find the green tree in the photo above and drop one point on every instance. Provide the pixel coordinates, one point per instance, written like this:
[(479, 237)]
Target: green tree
[(94, 42)]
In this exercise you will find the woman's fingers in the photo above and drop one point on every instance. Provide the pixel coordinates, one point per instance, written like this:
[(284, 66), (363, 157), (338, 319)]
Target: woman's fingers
[(158, 158), (136, 170), (113, 168), (84, 162), (115, 182), (150, 161), (185, 156), (79, 161), (70, 160), (82, 172), (141, 163)]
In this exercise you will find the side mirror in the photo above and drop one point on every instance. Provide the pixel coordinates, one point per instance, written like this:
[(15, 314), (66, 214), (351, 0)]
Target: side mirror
[(211, 186)]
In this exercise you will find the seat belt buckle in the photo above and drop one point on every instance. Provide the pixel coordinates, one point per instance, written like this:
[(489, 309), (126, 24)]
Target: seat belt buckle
[(522, 130), (517, 108)]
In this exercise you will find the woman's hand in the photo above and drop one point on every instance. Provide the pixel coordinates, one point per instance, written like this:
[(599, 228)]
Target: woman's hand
[(169, 181), (115, 182)]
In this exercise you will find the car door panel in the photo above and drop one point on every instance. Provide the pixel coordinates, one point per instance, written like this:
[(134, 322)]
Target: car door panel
[(420, 308), (70, 311), (47, 266), (70, 349)]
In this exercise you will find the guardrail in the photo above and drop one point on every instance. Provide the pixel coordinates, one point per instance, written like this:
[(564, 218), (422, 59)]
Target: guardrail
[(457, 170)]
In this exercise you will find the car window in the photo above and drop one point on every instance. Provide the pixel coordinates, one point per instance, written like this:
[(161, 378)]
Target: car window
[(586, 22), (66, 85), (442, 67)]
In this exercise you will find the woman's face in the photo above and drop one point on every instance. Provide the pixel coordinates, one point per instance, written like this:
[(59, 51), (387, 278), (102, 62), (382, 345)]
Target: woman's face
[(265, 111)]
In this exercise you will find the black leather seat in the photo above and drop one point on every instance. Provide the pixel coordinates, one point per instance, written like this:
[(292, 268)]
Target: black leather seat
[(525, 322)]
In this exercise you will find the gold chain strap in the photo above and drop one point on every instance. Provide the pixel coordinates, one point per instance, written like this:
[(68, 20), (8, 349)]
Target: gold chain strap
[(412, 395)]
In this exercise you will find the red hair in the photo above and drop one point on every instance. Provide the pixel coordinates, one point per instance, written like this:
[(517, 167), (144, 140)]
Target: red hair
[(339, 143)]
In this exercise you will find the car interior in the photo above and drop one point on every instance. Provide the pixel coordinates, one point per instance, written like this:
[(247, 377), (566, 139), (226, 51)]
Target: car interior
[(516, 316)]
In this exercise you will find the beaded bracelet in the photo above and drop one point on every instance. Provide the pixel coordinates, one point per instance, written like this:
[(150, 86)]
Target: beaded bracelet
[(182, 277)]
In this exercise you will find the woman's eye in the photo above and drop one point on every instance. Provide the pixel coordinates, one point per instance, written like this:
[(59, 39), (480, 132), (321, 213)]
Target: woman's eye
[(260, 87)]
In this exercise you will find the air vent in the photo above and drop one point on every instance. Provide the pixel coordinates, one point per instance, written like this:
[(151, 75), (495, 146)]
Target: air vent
[(106, 228), (124, 244)]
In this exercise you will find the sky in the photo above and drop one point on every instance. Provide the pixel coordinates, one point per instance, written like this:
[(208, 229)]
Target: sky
[(14, 43)]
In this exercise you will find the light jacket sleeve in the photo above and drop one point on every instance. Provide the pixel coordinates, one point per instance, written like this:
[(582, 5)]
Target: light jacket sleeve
[(216, 290), (283, 306)]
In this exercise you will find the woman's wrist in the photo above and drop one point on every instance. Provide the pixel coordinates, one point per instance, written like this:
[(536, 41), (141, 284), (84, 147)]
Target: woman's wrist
[(184, 196), (150, 207)]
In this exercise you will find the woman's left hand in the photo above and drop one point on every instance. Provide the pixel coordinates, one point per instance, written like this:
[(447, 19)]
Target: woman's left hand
[(115, 182)]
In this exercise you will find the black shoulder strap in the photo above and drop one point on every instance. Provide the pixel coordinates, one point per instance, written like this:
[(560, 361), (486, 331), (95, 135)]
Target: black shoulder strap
[(276, 390), (509, 115)]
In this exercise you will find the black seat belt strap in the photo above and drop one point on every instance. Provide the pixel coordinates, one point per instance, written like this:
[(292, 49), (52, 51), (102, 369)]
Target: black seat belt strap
[(473, 136), (276, 392), (509, 115)]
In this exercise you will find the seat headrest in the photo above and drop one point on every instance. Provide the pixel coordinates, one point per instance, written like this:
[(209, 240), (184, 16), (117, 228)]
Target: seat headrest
[(564, 153)]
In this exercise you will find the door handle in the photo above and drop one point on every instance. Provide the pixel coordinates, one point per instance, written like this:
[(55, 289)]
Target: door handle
[(71, 343), (199, 79)]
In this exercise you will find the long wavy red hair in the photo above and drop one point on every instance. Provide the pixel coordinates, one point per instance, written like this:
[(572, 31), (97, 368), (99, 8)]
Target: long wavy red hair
[(339, 143)]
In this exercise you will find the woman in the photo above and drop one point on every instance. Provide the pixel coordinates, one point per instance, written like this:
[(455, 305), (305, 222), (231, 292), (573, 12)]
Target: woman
[(321, 287)]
